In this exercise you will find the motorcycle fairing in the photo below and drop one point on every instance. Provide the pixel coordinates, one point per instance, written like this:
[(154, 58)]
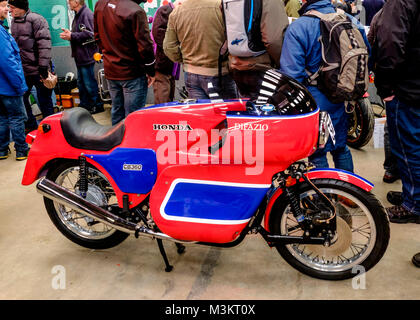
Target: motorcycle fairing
[(322, 173), (219, 202), (133, 170), (212, 202)]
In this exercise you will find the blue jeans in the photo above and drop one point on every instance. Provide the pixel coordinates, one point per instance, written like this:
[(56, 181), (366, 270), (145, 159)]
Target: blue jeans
[(197, 86), (404, 136), (341, 156), (88, 87), (127, 96), (12, 119)]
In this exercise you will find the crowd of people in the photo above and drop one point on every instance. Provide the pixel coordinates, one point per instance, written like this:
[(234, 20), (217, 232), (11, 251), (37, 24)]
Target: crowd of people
[(192, 34)]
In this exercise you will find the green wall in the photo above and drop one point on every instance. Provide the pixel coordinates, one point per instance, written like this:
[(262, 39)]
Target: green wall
[(57, 15)]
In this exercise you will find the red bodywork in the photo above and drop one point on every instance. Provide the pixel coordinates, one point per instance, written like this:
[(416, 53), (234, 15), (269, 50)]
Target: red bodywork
[(285, 140)]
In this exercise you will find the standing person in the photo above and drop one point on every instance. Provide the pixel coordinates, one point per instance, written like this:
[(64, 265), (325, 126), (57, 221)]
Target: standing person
[(4, 13), (246, 66), (12, 88), (195, 34), (164, 86), (397, 74), (122, 33), (81, 32), (301, 53), (32, 35), (371, 8)]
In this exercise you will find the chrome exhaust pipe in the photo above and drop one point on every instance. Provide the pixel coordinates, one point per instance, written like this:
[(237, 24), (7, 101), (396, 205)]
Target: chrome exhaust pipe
[(65, 197)]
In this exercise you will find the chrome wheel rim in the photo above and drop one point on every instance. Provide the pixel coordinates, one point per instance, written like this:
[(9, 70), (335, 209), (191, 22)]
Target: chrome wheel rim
[(100, 192), (350, 252)]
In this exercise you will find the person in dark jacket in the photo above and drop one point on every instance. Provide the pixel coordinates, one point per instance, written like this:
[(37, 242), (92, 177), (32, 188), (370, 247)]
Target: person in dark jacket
[(397, 74), (32, 35), (82, 52), (371, 8), (12, 88), (164, 86), (122, 33)]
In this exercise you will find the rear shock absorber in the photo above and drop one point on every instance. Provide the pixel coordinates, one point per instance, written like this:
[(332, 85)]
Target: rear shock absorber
[(294, 202), (83, 181)]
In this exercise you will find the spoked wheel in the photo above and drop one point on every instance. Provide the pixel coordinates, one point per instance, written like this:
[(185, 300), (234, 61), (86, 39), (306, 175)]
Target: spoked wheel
[(361, 238), (361, 124), (78, 227)]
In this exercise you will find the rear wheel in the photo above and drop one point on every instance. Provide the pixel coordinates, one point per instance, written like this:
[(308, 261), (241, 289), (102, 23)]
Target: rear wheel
[(76, 226), (361, 238), (361, 124)]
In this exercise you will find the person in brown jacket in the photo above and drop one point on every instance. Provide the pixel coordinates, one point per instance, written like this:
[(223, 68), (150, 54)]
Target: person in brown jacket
[(122, 33), (195, 34)]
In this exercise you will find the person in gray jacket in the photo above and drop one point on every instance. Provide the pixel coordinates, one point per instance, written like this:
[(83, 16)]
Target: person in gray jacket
[(32, 35)]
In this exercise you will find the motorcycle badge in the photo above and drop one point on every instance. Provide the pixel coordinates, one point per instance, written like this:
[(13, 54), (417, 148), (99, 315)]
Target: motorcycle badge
[(172, 127), (132, 167)]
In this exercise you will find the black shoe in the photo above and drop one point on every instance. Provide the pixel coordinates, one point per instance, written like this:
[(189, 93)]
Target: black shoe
[(4, 154), (399, 214), (395, 198), (97, 109), (416, 260), (22, 155), (390, 177)]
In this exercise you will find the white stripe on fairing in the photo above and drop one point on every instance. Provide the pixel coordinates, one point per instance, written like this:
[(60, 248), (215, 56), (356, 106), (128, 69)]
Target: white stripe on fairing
[(207, 182), (213, 95)]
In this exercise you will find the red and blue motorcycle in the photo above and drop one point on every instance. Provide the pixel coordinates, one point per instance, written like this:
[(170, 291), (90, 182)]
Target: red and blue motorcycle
[(210, 172)]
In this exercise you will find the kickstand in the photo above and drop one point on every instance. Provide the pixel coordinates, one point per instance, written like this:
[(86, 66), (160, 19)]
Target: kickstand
[(163, 253)]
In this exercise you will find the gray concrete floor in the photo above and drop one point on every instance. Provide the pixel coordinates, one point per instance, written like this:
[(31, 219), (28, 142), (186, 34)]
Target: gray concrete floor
[(31, 248)]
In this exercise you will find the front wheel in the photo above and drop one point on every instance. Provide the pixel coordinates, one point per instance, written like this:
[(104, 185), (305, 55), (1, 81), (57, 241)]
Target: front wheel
[(362, 231)]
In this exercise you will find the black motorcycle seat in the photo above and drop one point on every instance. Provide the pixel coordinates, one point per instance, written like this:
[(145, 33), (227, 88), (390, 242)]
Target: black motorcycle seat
[(81, 131)]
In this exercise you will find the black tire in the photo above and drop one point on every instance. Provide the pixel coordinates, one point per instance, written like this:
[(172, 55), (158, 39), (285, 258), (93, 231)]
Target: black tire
[(361, 124), (375, 248), (114, 238)]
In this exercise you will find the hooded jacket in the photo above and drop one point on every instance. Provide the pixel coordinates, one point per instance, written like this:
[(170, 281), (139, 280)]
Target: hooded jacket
[(32, 34), (12, 80)]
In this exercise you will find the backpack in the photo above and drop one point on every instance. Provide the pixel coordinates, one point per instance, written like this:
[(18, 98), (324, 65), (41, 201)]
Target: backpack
[(242, 20), (343, 74)]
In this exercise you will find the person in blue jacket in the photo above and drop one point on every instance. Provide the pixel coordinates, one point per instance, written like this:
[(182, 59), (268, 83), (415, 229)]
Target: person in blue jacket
[(302, 52), (12, 89)]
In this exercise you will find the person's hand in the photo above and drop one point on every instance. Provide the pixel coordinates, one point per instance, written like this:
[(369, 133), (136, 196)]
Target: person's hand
[(43, 72), (66, 34), (150, 81)]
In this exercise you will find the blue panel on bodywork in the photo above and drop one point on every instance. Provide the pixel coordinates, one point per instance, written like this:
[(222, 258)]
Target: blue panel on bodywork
[(215, 202), (133, 170)]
